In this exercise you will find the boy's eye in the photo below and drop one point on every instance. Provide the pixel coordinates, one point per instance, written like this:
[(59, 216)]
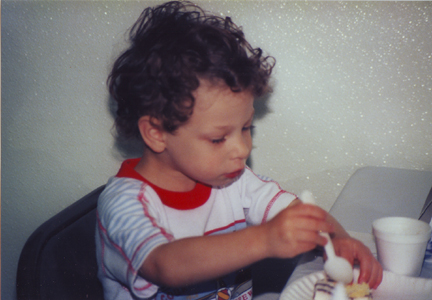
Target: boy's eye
[(247, 128), (218, 141)]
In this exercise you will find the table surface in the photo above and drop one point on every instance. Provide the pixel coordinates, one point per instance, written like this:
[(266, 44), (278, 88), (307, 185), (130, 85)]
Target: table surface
[(369, 194)]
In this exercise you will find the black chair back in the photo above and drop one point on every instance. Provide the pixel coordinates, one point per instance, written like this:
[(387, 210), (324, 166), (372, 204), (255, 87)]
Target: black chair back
[(58, 260)]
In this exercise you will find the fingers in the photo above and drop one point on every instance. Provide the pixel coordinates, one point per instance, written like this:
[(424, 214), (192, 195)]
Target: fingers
[(310, 236), (296, 230), (307, 221), (311, 224), (302, 231), (354, 251), (371, 272), (309, 210), (309, 216)]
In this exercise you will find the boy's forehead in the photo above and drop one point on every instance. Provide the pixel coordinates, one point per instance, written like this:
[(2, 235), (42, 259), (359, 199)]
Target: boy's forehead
[(209, 94), (220, 108)]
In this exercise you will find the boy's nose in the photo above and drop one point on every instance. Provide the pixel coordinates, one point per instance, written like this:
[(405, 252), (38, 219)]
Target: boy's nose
[(243, 147)]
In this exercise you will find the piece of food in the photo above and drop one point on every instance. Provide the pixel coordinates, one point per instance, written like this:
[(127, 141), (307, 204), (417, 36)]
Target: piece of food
[(355, 291)]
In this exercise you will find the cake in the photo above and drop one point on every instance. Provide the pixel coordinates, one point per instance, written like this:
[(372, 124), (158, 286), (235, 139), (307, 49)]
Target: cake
[(355, 291)]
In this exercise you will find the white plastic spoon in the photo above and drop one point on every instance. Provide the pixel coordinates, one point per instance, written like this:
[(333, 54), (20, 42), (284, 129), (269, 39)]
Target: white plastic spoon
[(338, 268), (339, 292)]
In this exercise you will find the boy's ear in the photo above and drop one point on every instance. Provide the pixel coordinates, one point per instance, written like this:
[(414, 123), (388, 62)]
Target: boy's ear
[(152, 133)]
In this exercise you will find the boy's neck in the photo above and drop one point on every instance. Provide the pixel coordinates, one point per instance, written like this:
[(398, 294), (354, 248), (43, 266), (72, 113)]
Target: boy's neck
[(154, 169)]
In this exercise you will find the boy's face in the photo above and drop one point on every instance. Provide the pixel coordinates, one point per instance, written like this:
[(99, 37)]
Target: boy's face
[(213, 145)]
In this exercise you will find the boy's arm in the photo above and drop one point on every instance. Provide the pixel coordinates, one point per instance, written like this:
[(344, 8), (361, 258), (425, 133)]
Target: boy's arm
[(191, 260), (195, 259)]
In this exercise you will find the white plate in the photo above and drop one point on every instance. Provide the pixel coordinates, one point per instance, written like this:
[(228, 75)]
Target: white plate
[(393, 287)]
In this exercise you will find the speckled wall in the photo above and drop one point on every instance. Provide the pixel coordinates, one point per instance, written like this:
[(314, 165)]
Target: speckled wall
[(352, 88)]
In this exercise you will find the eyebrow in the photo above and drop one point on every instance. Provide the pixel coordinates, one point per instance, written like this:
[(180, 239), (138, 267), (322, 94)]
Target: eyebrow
[(221, 127), (224, 127)]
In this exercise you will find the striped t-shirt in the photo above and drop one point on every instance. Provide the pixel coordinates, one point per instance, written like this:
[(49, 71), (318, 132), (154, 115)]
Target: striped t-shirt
[(134, 217)]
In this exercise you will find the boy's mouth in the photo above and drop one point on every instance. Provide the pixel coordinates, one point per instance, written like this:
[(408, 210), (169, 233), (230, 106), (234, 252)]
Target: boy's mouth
[(234, 174)]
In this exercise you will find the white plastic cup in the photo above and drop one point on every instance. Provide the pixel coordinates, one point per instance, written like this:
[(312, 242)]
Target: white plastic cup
[(401, 244)]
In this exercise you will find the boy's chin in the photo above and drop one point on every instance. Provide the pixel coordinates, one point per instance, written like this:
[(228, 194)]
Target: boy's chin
[(222, 183)]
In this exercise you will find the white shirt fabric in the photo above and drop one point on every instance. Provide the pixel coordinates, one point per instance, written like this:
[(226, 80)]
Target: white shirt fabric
[(133, 220)]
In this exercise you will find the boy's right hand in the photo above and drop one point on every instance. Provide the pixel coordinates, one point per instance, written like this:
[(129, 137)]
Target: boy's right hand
[(296, 230)]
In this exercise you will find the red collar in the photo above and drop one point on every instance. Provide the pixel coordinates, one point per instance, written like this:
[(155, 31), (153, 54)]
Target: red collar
[(177, 200)]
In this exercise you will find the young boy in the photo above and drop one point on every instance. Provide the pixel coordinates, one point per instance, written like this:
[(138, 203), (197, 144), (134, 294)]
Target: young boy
[(187, 218)]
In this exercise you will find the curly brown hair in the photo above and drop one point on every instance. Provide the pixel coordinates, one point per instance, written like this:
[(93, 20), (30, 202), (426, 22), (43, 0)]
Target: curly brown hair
[(172, 46)]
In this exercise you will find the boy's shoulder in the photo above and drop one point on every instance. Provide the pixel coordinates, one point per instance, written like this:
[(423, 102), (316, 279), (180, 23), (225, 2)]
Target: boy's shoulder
[(120, 190), (117, 184), (126, 188)]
